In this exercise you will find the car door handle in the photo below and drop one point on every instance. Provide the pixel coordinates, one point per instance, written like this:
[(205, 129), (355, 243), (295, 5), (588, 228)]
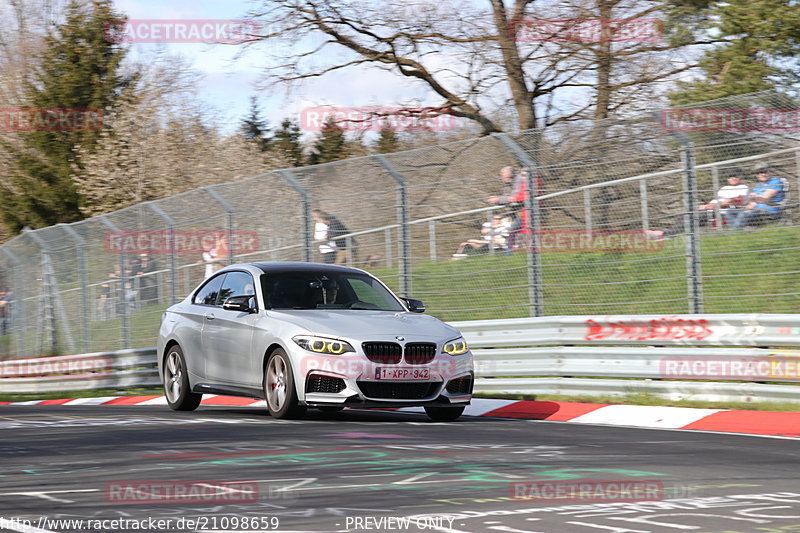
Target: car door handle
[(210, 316)]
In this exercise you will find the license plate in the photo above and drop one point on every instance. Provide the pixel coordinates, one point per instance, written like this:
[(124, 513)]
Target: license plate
[(402, 373)]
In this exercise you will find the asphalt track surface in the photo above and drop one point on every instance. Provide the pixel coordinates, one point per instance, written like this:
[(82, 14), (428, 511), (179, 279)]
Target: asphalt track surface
[(381, 471)]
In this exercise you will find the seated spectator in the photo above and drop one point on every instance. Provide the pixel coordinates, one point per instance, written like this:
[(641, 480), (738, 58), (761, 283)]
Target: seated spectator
[(730, 196), (763, 203), (494, 234)]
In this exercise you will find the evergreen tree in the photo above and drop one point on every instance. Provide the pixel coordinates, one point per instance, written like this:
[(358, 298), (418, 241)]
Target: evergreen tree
[(387, 141), (287, 142), (254, 128), (760, 52), (78, 69), (330, 145)]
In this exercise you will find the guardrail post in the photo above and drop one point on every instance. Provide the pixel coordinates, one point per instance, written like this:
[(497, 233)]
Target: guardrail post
[(217, 197), (306, 201), (173, 260), (50, 284), (402, 215), (18, 307), (123, 259), (535, 286), (80, 248)]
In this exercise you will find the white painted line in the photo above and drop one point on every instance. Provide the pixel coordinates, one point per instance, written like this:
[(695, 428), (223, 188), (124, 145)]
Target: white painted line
[(644, 416), (161, 400), (481, 406), (90, 401)]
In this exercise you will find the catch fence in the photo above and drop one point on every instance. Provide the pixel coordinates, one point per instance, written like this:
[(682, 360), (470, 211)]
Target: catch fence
[(614, 227)]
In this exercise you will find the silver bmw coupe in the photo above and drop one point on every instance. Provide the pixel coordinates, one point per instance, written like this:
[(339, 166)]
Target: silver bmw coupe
[(307, 335)]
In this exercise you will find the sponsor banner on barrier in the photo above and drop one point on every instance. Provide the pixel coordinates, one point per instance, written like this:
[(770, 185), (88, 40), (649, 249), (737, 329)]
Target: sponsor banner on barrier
[(378, 118), (179, 242), (587, 30), (731, 120), (631, 241), (54, 366), (734, 368), (185, 492), (666, 329), (587, 490), (50, 119), (206, 31)]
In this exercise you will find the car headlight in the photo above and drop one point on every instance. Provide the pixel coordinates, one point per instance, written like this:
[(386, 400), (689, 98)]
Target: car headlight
[(322, 345), (456, 347)]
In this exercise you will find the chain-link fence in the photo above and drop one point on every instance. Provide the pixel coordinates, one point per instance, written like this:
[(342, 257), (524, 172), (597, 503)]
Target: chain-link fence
[(622, 221)]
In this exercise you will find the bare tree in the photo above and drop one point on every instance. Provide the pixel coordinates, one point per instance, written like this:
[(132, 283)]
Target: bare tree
[(471, 57)]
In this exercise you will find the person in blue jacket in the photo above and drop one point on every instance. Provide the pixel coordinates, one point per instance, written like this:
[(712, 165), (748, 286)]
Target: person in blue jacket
[(763, 203)]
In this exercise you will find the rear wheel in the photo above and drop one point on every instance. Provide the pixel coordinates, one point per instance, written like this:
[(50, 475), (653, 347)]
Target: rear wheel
[(176, 382), (279, 389), (444, 414)]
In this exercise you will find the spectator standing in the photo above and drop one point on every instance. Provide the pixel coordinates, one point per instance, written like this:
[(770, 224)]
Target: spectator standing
[(514, 195), (764, 201), (327, 247), (5, 311), (148, 288), (211, 258)]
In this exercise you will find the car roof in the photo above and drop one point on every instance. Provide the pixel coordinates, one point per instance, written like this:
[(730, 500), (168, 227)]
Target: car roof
[(296, 266)]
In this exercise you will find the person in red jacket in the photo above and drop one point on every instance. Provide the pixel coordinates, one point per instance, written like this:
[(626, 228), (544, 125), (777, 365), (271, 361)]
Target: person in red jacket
[(514, 195)]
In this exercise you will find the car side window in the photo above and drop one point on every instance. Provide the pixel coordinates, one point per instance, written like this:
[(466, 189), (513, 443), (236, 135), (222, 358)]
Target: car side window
[(236, 284), (209, 293)]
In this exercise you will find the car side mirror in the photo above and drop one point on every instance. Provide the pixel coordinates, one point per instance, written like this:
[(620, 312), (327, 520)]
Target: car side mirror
[(415, 306), (240, 303)]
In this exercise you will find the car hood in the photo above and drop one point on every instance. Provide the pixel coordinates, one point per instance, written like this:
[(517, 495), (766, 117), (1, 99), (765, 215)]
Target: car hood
[(361, 324)]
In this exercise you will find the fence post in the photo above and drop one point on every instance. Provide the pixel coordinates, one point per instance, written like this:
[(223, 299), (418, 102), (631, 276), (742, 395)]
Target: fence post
[(715, 186), (402, 214), (587, 209), (432, 238), (123, 259), (691, 225), (535, 287), (217, 197), (81, 255), (644, 204), (306, 200), (52, 293), (173, 266), (18, 308)]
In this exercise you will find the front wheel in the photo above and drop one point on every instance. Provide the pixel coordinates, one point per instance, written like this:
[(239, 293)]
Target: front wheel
[(444, 414), (176, 382), (279, 389)]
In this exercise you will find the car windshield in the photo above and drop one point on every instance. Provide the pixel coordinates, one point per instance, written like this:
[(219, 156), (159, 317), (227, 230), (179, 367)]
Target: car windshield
[(327, 290)]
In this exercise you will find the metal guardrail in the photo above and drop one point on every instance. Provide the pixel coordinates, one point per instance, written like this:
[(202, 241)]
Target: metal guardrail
[(701, 357)]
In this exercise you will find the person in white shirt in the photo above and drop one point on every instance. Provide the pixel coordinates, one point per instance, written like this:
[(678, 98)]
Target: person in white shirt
[(327, 247), (730, 196)]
